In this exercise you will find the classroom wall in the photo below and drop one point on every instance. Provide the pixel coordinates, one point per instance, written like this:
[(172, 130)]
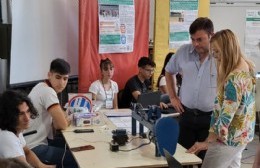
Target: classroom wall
[(41, 32), (223, 18)]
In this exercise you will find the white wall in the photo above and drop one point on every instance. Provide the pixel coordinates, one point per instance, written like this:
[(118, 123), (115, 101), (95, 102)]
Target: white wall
[(42, 31), (233, 17)]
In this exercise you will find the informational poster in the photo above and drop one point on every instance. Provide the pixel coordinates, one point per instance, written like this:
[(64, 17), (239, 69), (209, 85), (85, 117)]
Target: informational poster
[(182, 14), (252, 34), (116, 26)]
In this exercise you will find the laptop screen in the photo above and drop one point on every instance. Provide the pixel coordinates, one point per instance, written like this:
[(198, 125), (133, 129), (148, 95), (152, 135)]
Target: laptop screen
[(149, 98)]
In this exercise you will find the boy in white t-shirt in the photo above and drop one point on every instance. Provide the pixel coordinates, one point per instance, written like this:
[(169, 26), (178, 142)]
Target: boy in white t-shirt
[(16, 110), (51, 116)]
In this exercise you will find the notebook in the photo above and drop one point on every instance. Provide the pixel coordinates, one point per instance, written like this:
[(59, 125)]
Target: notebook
[(149, 98)]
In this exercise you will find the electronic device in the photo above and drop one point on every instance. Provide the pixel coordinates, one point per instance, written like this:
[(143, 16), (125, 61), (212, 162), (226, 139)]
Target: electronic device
[(149, 98), (83, 119), (29, 133), (83, 130), (81, 148), (146, 117), (114, 147), (119, 136)]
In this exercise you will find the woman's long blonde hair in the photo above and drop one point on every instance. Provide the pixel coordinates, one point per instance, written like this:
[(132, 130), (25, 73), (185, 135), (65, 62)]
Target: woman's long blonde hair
[(230, 56)]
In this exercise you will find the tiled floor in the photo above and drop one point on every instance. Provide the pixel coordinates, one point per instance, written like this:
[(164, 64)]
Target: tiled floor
[(249, 154)]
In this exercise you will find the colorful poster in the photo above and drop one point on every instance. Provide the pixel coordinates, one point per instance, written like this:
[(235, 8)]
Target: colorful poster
[(252, 34), (116, 26), (182, 14)]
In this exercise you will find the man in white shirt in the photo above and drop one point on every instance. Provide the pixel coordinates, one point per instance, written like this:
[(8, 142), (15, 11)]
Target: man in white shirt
[(198, 88)]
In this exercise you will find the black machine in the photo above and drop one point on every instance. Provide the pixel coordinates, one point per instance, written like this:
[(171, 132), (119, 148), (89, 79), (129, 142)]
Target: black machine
[(119, 136), (146, 117)]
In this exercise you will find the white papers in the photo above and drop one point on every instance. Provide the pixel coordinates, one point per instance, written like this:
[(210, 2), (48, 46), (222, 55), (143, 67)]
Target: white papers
[(118, 113), (125, 123), (116, 26)]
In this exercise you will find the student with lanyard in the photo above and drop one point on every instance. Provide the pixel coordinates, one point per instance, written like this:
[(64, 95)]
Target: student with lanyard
[(198, 88), (104, 90), (16, 110), (49, 148)]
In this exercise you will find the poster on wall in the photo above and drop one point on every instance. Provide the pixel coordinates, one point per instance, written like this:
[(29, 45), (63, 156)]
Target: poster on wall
[(182, 14), (252, 33), (116, 26)]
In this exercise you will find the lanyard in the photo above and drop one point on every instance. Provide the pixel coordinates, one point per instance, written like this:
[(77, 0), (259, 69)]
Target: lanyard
[(108, 90)]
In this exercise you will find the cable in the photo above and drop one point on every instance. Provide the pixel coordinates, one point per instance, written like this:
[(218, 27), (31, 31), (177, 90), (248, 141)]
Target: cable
[(134, 138), (136, 147), (144, 144), (63, 156)]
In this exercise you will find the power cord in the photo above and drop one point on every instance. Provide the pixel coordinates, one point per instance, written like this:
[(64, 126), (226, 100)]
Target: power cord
[(63, 156), (144, 144), (134, 139), (136, 147)]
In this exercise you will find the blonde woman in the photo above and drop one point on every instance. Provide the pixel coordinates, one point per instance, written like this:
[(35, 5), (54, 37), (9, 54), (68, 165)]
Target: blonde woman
[(104, 91), (233, 119)]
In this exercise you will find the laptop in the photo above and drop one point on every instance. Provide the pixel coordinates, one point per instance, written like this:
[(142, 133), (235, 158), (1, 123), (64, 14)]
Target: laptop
[(149, 98), (172, 162)]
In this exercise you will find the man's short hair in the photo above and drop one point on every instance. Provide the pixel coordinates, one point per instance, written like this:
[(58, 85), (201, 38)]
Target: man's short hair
[(60, 66), (9, 111), (143, 61), (202, 23)]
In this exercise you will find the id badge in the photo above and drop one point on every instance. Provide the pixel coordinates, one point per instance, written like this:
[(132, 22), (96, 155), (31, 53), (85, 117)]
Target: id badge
[(109, 104)]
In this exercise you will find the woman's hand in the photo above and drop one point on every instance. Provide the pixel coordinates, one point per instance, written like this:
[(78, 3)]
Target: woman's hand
[(197, 147), (223, 133)]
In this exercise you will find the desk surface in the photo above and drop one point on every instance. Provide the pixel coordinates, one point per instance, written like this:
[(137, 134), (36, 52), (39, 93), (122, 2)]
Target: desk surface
[(102, 157)]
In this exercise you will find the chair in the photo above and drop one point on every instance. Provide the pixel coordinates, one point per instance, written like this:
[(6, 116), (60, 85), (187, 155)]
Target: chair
[(120, 98), (166, 131)]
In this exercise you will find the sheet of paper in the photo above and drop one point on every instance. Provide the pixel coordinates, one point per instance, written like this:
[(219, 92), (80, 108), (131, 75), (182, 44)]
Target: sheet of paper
[(125, 123), (118, 113)]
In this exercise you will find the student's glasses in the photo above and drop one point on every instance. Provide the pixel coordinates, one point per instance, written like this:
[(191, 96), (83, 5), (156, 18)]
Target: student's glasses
[(149, 70)]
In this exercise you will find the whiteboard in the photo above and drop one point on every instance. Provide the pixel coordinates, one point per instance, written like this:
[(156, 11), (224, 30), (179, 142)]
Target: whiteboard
[(41, 32), (233, 16)]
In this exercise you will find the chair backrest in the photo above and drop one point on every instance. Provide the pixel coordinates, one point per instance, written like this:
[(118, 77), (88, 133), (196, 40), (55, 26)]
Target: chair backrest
[(166, 131), (120, 98)]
